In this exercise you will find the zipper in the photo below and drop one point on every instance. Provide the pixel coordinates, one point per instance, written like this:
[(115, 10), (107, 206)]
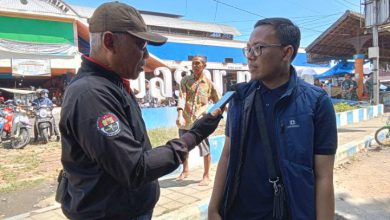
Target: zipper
[(283, 128), (284, 136)]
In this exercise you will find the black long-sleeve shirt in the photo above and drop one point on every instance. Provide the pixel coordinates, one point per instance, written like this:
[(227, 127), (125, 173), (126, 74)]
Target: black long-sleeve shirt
[(110, 165)]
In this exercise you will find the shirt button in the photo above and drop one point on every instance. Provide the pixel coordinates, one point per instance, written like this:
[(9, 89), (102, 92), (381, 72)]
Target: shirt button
[(267, 105)]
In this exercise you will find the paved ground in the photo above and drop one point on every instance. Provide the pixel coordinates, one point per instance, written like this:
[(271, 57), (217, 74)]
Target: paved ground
[(363, 186), (177, 195)]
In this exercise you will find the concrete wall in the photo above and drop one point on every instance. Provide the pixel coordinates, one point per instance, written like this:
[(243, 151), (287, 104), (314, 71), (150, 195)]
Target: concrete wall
[(358, 115)]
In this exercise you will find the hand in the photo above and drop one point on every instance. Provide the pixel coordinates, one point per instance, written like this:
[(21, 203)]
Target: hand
[(180, 121), (206, 125)]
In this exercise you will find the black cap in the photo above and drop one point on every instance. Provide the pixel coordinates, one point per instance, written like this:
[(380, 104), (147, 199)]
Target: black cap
[(120, 17)]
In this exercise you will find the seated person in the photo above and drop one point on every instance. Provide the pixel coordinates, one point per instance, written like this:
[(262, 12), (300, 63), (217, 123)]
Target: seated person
[(43, 99)]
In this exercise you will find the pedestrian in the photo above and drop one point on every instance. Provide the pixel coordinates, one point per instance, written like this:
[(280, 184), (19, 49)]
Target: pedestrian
[(281, 137), (346, 87), (369, 87), (196, 91), (353, 91), (148, 100), (318, 83), (110, 168)]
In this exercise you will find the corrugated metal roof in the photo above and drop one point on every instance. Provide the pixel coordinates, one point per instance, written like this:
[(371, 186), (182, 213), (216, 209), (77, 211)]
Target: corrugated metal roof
[(189, 25), (37, 6), (163, 21), (205, 41), (40, 6)]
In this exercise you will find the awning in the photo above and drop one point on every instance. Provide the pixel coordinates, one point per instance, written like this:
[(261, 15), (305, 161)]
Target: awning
[(18, 91), (17, 49), (36, 38), (345, 38), (339, 69)]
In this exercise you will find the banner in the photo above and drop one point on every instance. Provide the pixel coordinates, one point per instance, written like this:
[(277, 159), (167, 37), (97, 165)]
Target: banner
[(29, 67), (57, 50)]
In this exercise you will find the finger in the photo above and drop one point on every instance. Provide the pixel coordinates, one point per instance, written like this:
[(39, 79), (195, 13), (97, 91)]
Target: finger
[(216, 112)]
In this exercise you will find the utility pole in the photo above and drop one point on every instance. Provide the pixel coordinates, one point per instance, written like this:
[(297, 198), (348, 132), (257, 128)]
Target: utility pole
[(375, 44)]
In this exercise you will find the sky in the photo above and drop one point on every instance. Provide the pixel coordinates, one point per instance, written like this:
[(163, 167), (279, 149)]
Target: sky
[(313, 17)]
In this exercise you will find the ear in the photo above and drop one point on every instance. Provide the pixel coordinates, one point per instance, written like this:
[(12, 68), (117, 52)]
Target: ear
[(288, 52), (108, 41)]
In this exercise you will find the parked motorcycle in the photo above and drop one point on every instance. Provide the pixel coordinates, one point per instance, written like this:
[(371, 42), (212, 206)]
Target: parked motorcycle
[(44, 123), (15, 127)]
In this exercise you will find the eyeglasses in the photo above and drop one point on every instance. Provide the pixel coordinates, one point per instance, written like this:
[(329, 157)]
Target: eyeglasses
[(141, 44), (257, 49)]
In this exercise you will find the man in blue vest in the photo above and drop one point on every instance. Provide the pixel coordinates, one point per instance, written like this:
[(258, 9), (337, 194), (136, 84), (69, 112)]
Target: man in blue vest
[(300, 124)]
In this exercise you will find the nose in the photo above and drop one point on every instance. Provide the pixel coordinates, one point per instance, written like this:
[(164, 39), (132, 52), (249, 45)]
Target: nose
[(251, 56)]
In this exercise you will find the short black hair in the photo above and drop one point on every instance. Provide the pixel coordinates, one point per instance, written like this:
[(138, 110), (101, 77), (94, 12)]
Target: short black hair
[(286, 31)]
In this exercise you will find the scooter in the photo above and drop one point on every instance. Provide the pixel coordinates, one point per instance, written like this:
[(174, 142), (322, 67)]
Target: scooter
[(44, 123), (16, 127)]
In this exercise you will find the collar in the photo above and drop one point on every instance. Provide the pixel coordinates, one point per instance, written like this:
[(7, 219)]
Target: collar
[(278, 91), (96, 62), (244, 89), (102, 70), (98, 68), (202, 78), (126, 84)]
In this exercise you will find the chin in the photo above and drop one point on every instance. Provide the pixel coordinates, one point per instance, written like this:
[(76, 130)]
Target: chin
[(257, 76)]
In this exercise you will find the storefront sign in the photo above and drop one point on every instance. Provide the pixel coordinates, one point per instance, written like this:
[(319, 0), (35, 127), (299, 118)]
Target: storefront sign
[(58, 4), (28, 67), (161, 87)]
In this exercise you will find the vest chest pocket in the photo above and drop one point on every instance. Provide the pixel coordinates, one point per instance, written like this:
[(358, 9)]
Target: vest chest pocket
[(297, 138)]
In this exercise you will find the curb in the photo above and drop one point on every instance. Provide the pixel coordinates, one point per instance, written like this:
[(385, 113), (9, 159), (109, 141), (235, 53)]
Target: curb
[(345, 151), (358, 115), (38, 211)]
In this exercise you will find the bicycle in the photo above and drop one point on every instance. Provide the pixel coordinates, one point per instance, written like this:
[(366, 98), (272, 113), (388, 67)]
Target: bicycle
[(382, 135)]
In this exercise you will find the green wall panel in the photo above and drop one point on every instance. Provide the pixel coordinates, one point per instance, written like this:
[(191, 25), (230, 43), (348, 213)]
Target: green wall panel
[(40, 31)]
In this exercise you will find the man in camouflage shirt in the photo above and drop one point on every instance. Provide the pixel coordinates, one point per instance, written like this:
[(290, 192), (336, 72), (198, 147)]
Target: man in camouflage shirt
[(354, 95), (196, 91), (369, 87), (346, 87)]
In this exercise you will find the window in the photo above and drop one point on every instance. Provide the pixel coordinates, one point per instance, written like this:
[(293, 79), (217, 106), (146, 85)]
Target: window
[(228, 60)]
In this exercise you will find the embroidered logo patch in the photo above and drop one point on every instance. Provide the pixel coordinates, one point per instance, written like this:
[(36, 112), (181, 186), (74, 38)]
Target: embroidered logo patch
[(108, 124), (293, 124)]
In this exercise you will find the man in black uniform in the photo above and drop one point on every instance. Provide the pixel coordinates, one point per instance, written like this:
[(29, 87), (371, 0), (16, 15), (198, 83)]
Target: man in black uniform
[(110, 168)]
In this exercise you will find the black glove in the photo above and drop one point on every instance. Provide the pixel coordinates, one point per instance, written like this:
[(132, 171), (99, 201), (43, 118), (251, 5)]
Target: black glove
[(204, 126)]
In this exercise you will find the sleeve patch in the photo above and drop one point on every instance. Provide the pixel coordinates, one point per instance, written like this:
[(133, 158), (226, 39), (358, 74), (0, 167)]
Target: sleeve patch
[(108, 124)]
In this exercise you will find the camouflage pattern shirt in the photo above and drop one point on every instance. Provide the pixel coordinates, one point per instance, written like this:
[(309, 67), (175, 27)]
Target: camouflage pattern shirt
[(194, 97)]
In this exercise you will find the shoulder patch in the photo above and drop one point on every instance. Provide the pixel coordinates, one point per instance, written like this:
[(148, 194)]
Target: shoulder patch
[(108, 124)]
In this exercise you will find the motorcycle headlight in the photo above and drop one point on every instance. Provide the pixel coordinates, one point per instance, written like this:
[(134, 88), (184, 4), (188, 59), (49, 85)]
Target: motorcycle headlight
[(43, 113)]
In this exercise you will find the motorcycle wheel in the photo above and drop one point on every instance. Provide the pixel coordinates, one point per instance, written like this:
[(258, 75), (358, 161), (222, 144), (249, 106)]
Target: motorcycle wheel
[(22, 140), (382, 136), (45, 135)]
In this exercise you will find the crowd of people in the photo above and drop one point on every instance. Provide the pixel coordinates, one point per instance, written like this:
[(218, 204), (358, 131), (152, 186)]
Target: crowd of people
[(348, 87), (110, 169)]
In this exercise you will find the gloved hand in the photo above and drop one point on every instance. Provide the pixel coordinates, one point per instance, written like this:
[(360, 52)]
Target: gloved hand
[(205, 126)]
